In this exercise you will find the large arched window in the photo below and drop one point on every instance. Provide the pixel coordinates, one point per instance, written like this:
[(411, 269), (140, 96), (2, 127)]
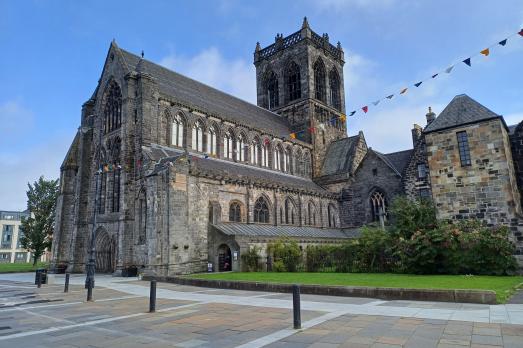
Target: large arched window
[(115, 170), (293, 82), (334, 83), (265, 151), (235, 212), (378, 205), (306, 165), (290, 212), (113, 108), (311, 214), (197, 136), (102, 171), (278, 157), (261, 211), (241, 148), (228, 145), (333, 216), (255, 151), (319, 80), (212, 148), (272, 91), (177, 131)]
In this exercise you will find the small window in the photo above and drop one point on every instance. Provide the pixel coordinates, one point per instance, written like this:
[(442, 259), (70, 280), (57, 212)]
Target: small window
[(235, 212), (464, 151), (375, 171), (424, 193), (422, 170)]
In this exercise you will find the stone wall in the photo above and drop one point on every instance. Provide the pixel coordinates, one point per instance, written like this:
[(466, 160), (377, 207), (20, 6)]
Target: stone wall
[(415, 186), (516, 140)]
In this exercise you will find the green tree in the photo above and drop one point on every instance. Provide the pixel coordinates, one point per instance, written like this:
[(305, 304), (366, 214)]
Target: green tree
[(38, 228)]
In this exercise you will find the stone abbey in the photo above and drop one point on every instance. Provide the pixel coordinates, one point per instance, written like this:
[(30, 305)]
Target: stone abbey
[(168, 174)]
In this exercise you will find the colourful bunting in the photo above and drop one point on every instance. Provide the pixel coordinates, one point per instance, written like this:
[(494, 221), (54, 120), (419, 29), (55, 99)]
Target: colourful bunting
[(521, 32), (376, 102), (418, 84), (293, 135), (485, 52), (205, 155), (403, 91), (390, 96), (312, 129), (352, 113), (467, 61), (343, 118), (449, 69), (503, 42), (365, 109), (433, 76)]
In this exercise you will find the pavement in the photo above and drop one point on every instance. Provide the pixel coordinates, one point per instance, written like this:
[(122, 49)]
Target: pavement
[(189, 316)]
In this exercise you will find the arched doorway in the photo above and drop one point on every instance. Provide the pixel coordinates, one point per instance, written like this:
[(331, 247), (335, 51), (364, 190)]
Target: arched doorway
[(224, 258), (105, 252)]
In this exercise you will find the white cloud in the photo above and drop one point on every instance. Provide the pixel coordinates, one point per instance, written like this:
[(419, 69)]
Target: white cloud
[(19, 168), (236, 76), (15, 120)]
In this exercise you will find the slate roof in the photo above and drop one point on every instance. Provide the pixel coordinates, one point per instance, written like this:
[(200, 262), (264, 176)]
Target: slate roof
[(397, 160), (339, 156), (461, 110), (255, 230), (218, 167), (208, 99)]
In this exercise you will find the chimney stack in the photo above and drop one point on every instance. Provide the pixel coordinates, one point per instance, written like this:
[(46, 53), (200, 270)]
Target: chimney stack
[(416, 134), (430, 116)]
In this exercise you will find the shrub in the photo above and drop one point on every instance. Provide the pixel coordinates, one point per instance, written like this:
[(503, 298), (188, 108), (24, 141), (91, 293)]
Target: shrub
[(408, 216), (375, 249), (251, 259), (286, 254)]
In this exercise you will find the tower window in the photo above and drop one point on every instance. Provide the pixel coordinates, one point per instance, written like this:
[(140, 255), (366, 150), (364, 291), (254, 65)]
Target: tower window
[(272, 91), (334, 82), (464, 150), (293, 82), (319, 80)]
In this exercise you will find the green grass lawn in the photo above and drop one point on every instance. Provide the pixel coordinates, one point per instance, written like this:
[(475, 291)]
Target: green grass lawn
[(503, 286), (20, 267)]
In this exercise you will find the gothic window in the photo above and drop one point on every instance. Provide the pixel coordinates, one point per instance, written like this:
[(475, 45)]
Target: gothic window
[(115, 169), (241, 149), (306, 165), (113, 108), (319, 80), (290, 212), (334, 83), (331, 211), (197, 136), (211, 142), (177, 126), (228, 147), (272, 91), (235, 212), (142, 217), (102, 183), (293, 82), (311, 214), (464, 150), (287, 160), (278, 158), (255, 151), (265, 151), (261, 211), (298, 162), (378, 205)]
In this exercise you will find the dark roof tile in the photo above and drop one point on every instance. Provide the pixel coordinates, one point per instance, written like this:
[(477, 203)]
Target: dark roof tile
[(255, 230)]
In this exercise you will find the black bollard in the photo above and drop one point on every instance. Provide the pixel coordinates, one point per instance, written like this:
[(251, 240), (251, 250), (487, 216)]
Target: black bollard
[(39, 279), (90, 290), (66, 287), (152, 297), (296, 306)]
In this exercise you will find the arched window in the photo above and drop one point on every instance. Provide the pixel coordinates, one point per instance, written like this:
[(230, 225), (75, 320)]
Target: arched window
[(255, 151), (311, 214), (265, 150), (290, 212), (113, 108), (331, 211), (103, 181), (228, 146), (306, 165), (293, 82), (177, 131), (298, 163), (334, 83), (212, 148), (319, 80), (278, 157), (378, 205), (241, 149), (261, 211), (115, 168), (197, 136), (272, 91), (142, 217), (235, 213), (287, 160)]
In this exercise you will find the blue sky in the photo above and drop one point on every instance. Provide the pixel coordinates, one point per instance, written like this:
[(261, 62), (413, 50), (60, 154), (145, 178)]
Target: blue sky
[(52, 54)]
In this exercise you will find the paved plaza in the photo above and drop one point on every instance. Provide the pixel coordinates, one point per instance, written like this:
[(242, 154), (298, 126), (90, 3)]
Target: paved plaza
[(201, 317)]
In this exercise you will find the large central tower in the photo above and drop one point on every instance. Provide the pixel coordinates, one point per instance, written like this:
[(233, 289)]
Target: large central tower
[(300, 77)]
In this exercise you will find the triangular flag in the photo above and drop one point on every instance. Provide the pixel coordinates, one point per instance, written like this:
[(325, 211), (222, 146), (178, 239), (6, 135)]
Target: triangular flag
[(352, 113), (376, 102), (418, 84), (503, 42), (365, 109), (293, 135), (485, 52), (403, 90), (390, 96), (311, 129), (205, 155), (467, 61), (521, 32), (433, 76), (343, 118), (449, 69)]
